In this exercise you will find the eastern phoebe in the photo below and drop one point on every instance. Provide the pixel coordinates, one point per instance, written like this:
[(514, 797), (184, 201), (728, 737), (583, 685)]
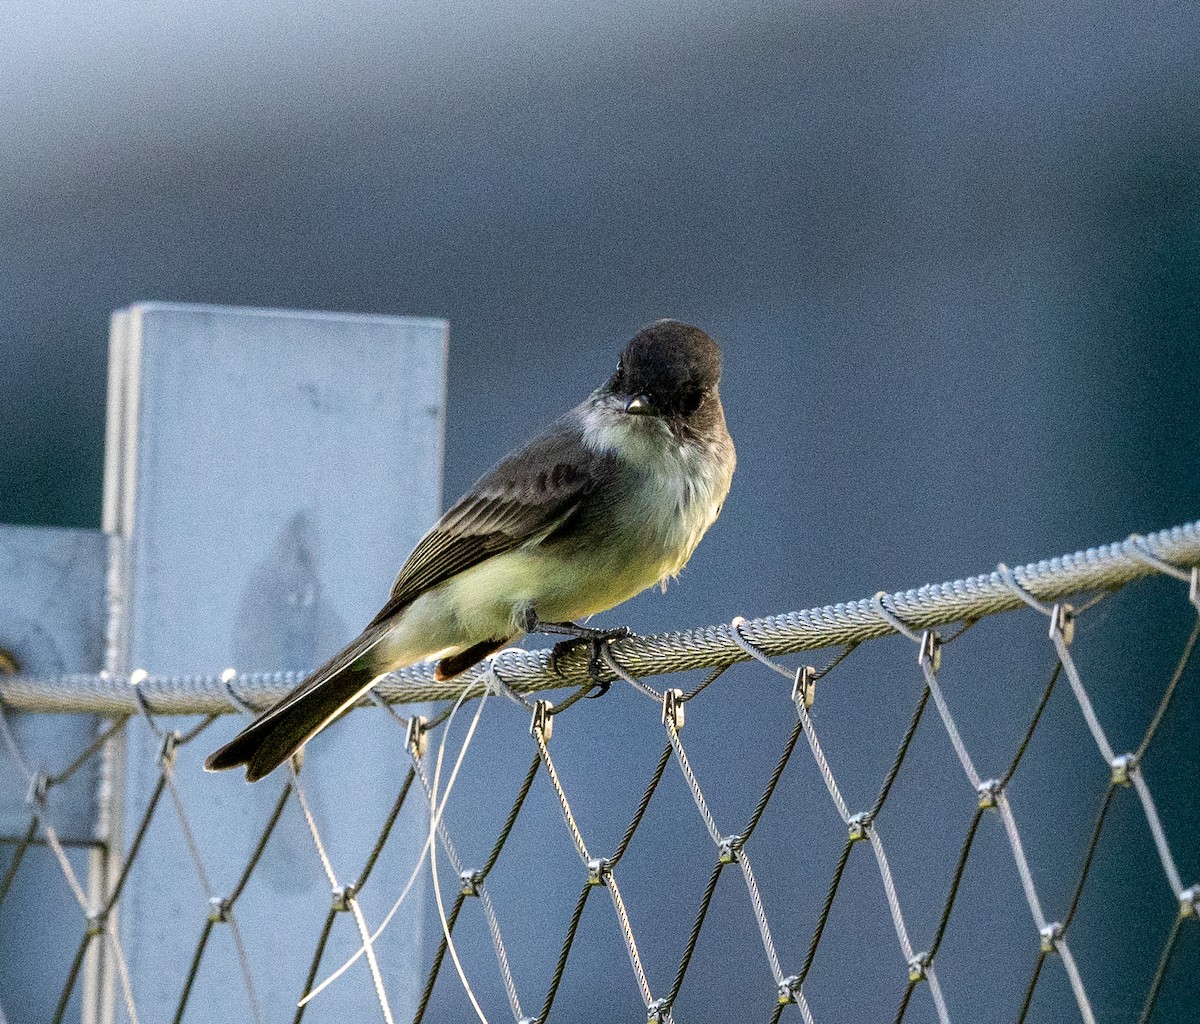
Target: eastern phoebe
[(611, 499)]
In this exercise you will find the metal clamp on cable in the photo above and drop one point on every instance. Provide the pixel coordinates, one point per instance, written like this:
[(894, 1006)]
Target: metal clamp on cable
[(789, 989), (804, 687), (1051, 935), (657, 1012), (169, 748), (39, 788), (218, 909), (931, 650), (1189, 902), (672, 709), (416, 736), (989, 793), (918, 967), (859, 826), (1123, 768), (342, 896), (727, 849), (469, 882), (95, 924), (543, 721), (1062, 623), (598, 869)]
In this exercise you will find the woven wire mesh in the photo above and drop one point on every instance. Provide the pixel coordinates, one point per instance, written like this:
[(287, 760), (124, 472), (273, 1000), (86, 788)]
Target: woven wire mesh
[(858, 851)]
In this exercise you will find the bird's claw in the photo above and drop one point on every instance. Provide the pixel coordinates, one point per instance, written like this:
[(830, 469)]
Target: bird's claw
[(596, 642)]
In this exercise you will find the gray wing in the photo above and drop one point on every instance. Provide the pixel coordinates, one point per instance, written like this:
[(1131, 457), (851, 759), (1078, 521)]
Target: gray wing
[(528, 495)]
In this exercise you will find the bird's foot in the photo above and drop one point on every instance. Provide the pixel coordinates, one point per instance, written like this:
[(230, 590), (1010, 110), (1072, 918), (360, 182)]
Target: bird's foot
[(596, 643), (579, 636)]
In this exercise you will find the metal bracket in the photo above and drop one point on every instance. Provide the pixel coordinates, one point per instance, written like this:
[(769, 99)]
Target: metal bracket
[(469, 882), (918, 967), (1189, 902), (39, 789), (804, 687), (95, 924), (1050, 936), (657, 1011), (219, 908), (598, 869), (859, 826), (1062, 622), (788, 989), (416, 736), (1123, 769), (672, 709), (543, 721), (930, 650), (168, 749), (989, 793), (727, 849), (342, 895)]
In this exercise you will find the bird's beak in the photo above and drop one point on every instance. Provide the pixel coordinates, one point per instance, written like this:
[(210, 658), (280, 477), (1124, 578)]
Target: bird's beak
[(639, 405)]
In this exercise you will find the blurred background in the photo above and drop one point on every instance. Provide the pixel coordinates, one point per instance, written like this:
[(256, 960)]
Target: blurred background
[(952, 252)]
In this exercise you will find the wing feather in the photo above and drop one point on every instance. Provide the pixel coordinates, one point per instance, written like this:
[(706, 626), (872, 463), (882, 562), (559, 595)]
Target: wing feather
[(525, 497)]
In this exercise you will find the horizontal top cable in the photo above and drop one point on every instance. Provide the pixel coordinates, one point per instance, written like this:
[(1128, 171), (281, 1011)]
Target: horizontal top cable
[(930, 606)]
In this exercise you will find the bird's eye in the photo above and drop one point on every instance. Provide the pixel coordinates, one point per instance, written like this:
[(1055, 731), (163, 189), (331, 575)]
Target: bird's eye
[(690, 401)]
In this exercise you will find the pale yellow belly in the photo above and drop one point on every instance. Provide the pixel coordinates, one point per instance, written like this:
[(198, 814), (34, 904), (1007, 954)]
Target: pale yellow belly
[(490, 600), (496, 593)]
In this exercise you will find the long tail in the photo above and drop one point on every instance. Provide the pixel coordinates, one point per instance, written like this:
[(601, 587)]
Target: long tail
[(284, 728)]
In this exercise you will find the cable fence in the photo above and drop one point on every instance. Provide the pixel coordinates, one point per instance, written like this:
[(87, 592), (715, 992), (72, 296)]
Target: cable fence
[(505, 939)]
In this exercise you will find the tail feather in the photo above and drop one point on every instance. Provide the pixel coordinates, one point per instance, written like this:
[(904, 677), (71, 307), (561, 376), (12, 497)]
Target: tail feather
[(285, 727)]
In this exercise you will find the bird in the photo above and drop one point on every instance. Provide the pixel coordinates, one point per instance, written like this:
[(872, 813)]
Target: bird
[(611, 499)]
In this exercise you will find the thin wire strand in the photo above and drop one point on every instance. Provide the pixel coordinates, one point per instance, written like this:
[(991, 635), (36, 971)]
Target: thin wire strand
[(435, 821)]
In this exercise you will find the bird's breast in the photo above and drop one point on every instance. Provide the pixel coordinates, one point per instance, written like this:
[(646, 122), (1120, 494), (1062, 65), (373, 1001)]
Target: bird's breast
[(671, 491), (687, 485)]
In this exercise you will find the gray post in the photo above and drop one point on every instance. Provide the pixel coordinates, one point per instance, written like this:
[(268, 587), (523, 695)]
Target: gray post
[(269, 471), (266, 474)]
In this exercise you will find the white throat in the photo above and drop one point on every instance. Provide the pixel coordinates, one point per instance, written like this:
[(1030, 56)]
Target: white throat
[(685, 481)]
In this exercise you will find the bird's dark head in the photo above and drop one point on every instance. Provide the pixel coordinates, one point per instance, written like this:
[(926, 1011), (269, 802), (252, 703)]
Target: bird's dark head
[(669, 369)]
